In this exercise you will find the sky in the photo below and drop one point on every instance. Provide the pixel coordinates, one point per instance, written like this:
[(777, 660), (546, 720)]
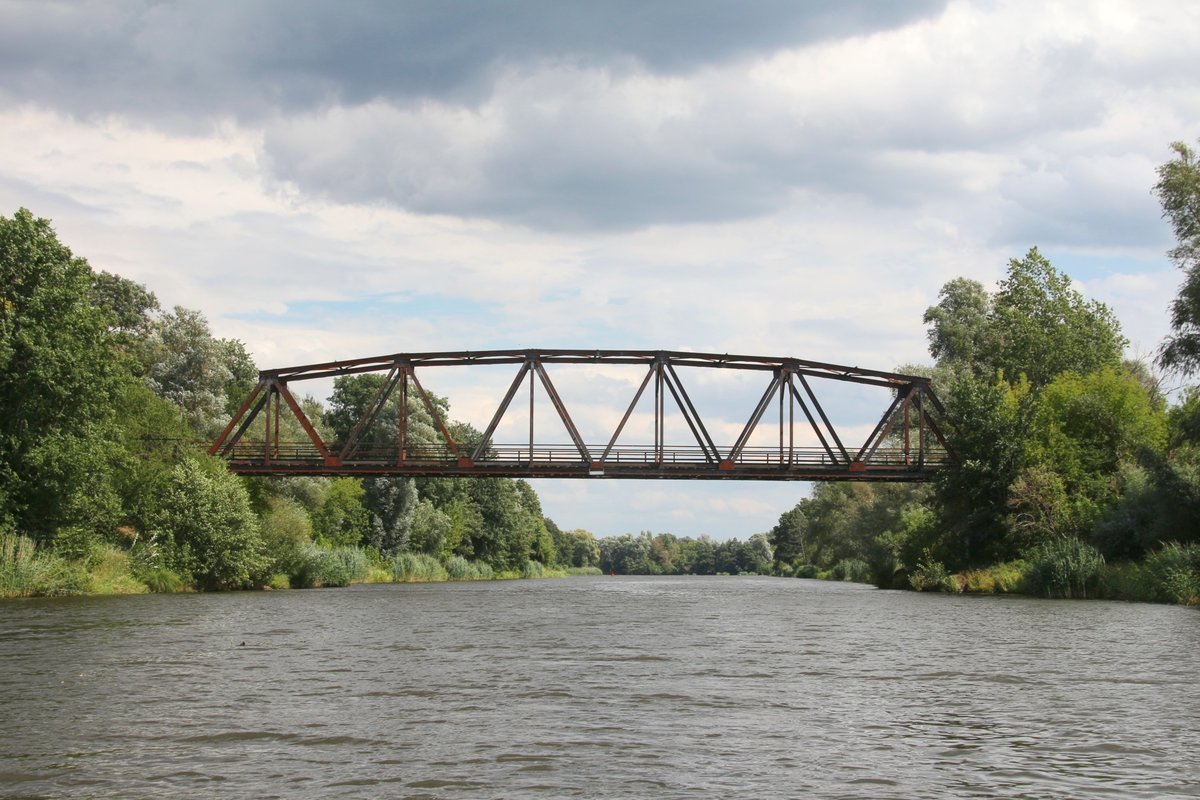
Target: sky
[(336, 180)]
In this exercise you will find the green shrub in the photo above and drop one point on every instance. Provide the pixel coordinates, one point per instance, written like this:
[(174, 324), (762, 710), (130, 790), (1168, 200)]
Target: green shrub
[(1126, 581), (1066, 568), (112, 573), (996, 579), (1174, 574), (26, 571), (533, 569), (417, 568), (851, 569), (286, 535), (161, 580), (932, 576), (459, 569), (584, 571), (279, 581), (337, 567), (978, 581), (805, 571)]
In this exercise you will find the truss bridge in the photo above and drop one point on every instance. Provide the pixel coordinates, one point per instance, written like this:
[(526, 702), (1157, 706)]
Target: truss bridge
[(403, 429)]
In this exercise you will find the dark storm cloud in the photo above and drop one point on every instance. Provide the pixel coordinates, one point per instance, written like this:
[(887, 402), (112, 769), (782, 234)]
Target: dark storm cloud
[(190, 59)]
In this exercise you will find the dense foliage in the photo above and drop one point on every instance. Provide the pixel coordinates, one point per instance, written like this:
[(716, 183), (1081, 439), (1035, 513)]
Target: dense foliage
[(1070, 467), (102, 397)]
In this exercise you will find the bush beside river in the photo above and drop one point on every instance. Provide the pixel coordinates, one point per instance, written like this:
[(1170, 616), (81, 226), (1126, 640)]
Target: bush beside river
[(29, 571)]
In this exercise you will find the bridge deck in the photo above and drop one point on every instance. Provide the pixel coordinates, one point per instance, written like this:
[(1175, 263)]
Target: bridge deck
[(563, 461)]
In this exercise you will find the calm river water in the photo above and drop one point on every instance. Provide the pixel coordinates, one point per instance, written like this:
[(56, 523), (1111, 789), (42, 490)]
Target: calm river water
[(598, 687)]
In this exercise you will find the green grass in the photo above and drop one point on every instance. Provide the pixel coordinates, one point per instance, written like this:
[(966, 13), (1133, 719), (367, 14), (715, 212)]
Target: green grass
[(417, 568), (1065, 568)]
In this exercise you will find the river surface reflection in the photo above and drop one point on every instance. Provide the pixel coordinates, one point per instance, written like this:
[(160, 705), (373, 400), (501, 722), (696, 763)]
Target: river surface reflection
[(598, 687)]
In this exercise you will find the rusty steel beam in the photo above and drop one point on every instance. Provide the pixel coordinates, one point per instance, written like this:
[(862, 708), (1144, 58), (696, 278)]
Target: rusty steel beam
[(785, 461)]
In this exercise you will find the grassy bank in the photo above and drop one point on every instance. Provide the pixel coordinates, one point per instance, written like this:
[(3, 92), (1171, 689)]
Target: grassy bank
[(1072, 569), (1065, 568), (27, 570)]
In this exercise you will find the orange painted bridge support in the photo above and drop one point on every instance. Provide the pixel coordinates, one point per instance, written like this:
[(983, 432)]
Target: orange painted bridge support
[(907, 443)]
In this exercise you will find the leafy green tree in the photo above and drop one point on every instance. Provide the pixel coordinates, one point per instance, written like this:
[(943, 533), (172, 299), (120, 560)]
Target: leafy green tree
[(58, 386), (130, 309), (153, 438), (206, 528), (757, 555), (431, 528), (342, 519), (787, 539), (392, 502), (201, 375), (990, 424), (1178, 190), (1041, 327), (286, 535), (958, 324), (576, 548)]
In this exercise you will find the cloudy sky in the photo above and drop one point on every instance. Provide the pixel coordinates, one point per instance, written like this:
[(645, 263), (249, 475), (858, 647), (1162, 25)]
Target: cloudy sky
[(331, 180)]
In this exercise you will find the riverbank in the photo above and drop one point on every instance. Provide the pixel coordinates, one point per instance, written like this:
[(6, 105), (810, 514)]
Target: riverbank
[(1065, 569), (29, 571)]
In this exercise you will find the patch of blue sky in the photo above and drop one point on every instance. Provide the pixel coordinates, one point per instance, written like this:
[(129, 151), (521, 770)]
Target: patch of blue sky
[(372, 307), (1086, 267)]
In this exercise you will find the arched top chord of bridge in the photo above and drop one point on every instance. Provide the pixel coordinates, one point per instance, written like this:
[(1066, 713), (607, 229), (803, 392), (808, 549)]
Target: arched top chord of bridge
[(907, 442)]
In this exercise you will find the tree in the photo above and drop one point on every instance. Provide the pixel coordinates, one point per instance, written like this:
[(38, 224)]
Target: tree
[(958, 324), (392, 502), (787, 538), (1036, 325), (989, 424), (206, 528), (431, 528), (203, 376), (1178, 191), (342, 518), (58, 386), (1041, 327)]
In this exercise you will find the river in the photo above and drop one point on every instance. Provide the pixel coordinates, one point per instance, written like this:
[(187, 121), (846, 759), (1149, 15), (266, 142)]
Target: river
[(608, 687)]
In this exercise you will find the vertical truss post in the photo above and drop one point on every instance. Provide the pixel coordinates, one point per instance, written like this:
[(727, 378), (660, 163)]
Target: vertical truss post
[(267, 426), (921, 428), (531, 406), (907, 429), (782, 389), (276, 424), (402, 418), (659, 409)]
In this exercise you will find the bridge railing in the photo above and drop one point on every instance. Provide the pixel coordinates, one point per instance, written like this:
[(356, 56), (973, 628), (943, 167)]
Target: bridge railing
[(568, 454)]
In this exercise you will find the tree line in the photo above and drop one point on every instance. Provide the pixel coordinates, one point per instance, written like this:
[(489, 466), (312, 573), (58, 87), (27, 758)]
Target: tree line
[(105, 401), (1073, 475)]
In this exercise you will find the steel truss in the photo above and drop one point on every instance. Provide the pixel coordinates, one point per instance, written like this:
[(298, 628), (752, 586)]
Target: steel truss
[(910, 427)]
